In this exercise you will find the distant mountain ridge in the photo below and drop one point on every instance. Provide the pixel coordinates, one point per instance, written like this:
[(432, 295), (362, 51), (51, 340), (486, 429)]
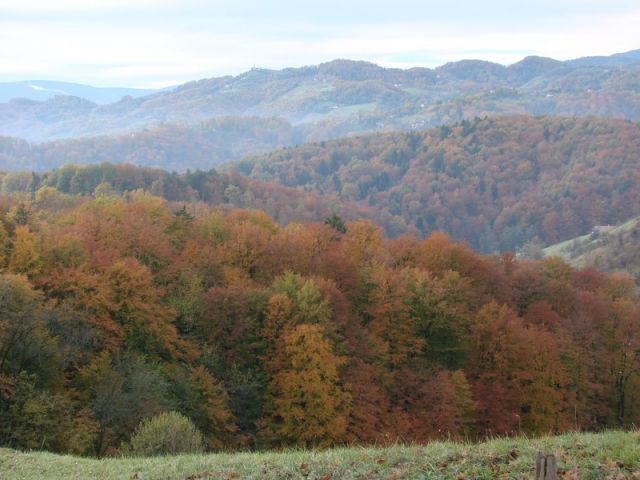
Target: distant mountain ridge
[(617, 59), (43, 90), (344, 97)]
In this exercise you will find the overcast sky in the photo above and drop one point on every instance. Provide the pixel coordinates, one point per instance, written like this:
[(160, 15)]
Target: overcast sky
[(165, 42)]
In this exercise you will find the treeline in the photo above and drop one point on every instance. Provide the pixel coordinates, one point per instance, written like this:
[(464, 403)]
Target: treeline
[(224, 190), (496, 183), (115, 309)]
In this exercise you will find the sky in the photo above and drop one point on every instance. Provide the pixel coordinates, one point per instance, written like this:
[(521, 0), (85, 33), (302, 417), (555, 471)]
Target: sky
[(158, 43)]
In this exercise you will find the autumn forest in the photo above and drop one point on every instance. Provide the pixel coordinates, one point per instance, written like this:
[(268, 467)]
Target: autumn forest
[(117, 306), (335, 255)]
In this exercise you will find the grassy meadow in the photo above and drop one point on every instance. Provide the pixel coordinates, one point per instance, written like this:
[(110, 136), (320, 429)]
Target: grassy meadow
[(609, 455)]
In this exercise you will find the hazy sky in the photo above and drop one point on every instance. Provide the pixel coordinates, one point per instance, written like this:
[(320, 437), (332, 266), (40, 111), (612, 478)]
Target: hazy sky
[(164, 42)]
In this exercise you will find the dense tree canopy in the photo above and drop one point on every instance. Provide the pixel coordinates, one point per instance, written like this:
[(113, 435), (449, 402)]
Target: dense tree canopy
[(63, 187), (499, 184), (116, 309), (496, 183)]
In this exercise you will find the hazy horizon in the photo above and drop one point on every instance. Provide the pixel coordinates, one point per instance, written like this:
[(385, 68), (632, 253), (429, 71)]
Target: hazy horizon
[(275, 69), (164, 42)]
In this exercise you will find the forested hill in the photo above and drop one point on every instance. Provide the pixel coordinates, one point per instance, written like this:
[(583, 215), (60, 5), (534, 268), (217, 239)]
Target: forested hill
[(342, 97), (171, 147), (497, 183)]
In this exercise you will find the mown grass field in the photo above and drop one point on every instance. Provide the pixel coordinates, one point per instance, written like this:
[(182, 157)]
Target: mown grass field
[(610, 455)]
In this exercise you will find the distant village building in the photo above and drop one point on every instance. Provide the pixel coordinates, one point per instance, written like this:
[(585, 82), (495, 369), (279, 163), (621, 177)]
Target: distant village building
[(602, 228)]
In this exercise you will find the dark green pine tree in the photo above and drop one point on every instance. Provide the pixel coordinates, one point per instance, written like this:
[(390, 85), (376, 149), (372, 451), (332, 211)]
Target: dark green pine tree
[(335, 222)]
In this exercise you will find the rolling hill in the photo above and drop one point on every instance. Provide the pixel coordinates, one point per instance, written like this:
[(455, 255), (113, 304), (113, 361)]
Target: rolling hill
[(496, 183), (342, 97), (171, 147)]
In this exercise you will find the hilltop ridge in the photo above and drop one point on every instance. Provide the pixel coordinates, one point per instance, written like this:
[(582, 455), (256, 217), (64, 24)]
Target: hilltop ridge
[(344, 96)]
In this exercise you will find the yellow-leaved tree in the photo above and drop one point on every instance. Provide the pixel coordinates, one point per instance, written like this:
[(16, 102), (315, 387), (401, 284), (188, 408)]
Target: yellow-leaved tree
[(4, 242), (25, 257), (308, 405)]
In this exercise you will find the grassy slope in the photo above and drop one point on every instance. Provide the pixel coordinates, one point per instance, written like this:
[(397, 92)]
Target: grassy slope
[(611, 455), (581, 250)]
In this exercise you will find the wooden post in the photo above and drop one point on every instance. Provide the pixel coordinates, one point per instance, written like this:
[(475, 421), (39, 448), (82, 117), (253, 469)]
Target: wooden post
[(552, 468), (546, 467)]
